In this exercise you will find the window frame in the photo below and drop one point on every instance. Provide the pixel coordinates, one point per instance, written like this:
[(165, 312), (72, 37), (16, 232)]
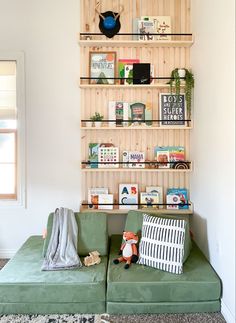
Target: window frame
[(19, 198)]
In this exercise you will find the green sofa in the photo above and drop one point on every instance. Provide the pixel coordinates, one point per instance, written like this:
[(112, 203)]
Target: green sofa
[(24, 288), (106, 287)]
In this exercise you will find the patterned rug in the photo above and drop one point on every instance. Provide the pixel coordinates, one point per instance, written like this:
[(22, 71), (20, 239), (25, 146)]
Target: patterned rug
[(105, 318)]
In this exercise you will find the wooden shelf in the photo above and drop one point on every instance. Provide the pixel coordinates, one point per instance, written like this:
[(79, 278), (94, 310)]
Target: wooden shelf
[(134, 43), (158, 211), (138, 128), (124, 87), (123, 170)]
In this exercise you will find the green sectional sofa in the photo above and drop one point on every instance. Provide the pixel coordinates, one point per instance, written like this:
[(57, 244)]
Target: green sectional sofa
[(106, 287)]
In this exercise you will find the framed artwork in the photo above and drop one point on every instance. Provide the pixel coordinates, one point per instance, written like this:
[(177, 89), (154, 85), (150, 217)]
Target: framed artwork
[(102, 65), (172, 110)]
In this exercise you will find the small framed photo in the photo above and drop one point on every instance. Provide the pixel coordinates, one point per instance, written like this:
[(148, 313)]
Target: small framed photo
[(172, 110), (102, 67)]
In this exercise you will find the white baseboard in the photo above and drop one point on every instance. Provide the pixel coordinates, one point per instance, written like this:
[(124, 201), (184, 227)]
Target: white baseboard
[(227, 313), (7, 253)]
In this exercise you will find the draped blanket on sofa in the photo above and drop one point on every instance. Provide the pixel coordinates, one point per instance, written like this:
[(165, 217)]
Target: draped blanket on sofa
[(62, 248)]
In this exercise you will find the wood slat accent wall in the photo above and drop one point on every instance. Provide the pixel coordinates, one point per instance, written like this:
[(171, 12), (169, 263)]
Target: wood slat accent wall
[(165, 59)]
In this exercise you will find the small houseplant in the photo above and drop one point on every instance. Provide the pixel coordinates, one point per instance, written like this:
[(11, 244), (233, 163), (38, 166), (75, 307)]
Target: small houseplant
[(175, 83), (97, 119)]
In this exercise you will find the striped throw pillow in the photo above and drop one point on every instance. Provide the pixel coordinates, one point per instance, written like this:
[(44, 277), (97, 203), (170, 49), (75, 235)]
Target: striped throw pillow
[(162, 244)]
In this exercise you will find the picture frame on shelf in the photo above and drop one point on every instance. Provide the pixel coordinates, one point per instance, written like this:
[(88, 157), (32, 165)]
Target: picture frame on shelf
[(103, 66), (172, 109)]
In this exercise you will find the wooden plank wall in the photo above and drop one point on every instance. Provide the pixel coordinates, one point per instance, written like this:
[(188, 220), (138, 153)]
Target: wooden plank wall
[(95, 99)]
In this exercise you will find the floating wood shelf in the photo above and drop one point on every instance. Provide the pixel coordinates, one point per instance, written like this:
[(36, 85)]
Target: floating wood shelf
[(124, 87), (188, 211), (135, 43), (122, 170), (137, 128)]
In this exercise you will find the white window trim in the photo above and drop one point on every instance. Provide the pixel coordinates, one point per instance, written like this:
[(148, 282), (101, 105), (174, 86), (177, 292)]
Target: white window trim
[(21, 151)]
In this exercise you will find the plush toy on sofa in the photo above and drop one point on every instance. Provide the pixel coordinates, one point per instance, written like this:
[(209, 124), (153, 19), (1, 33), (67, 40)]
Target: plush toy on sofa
[(128, 249)]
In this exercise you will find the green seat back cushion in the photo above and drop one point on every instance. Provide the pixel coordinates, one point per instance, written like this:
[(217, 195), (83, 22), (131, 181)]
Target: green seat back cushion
[(134, 223), (92, 233)]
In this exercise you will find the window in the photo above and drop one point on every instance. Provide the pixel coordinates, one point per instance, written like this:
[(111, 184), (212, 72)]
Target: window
[(11, 129)]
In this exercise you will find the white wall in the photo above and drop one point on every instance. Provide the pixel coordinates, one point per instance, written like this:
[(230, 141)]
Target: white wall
[(213, 140), (46, 31)]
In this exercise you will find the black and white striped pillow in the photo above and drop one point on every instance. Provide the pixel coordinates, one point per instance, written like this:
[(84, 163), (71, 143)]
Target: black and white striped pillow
[(162, 243)]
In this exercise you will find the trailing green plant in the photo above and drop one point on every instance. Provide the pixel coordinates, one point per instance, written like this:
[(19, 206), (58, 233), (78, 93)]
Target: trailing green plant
[(97, 117), (175, 83)]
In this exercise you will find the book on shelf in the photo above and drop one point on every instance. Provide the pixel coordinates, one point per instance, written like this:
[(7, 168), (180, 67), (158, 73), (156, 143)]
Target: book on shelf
[(138, 112), (118, 111), (125, 159), (128, 195), (136, 157), (141, 73), (176, 154), (93, 154), (172, 109), (93, 194), (162, 155), (105, 199), (148, 199), (176, 196), (109, 155), (161, 25), (122, 62), (135, 28), (146, 29), (158, 190)]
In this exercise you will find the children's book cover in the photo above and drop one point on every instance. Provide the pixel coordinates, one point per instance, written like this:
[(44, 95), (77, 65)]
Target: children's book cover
[(161, 25), (177, 197), (93, 154), (136, 157), (162, 155), (140, 114), (146, 29), (176, 153), (158, 190), (118, 111), (105, 199), (108, 157), (128, 195), (148, 199), (121, 69), (93, 194)]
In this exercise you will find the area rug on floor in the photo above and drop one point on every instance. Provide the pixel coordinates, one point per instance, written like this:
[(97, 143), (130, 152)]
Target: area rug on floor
[(64, 318)]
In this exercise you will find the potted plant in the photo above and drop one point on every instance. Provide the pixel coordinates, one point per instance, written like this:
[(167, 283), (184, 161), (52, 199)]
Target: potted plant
[(97, 119), (176, 76)]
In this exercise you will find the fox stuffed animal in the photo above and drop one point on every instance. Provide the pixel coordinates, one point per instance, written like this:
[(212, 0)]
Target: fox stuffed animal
[(128, 249)]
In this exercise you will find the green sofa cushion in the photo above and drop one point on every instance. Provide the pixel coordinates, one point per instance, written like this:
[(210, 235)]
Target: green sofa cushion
[(92, 233), (144, 284), (134, 223), (22, 281)]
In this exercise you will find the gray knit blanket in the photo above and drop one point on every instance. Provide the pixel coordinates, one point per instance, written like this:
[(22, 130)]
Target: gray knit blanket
[(62, 247)]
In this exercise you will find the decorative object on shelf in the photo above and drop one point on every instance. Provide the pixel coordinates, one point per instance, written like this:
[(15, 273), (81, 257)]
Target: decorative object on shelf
[(172, 109), (161, 26), (128, 249), (188, 85), (97, 119), (181, 165), (102, 67), (177, 198), (109, 23)]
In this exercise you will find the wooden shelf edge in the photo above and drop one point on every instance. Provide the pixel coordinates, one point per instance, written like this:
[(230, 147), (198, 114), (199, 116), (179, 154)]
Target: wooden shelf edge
[(167, 170), (138, 128), (124, 212), (124, 87), (134, 43)]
